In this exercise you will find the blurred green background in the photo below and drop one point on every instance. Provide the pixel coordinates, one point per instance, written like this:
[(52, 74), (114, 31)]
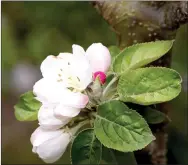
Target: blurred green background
[(33, 30)]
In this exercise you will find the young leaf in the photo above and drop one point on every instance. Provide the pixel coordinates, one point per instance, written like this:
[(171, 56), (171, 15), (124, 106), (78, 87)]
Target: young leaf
[(153, 116), (86, 148), (140, 54), (147, 86), (114, 51), (27, 107), (118, 127)]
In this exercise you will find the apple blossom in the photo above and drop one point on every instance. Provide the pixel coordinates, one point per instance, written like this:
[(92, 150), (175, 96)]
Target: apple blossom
[(76, 70), (70, 70), (51, 144), (64, 78)]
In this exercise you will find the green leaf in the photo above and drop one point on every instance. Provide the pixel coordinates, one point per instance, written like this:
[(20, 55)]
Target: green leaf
[(110, 156), (114, 51), (27, 107), (120, 128), (147, 86), (125, 157), (140, 54), (86, 148), (153, 116)]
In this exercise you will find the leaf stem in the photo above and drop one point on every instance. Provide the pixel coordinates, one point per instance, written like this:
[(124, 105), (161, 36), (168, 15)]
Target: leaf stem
[(109, 85)]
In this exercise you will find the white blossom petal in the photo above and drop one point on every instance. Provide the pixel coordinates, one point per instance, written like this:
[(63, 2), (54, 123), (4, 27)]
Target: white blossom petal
[(99, 57), (41, 135), (73, 70), (77, 69), (34, 149), (84, 73), (43, 101), (65, 56), (48, 91), (53, 149), (78, 50), (75, 99), (53, 92), (67, 59), (51, 66), (66, 111), (50, 145), (48, 120)]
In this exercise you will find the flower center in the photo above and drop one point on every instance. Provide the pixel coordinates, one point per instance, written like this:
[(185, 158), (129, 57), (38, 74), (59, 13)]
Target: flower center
[(72, 81), (101, 75)]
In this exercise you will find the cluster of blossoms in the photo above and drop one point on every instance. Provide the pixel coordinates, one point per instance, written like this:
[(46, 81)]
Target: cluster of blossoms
[(62, 94)]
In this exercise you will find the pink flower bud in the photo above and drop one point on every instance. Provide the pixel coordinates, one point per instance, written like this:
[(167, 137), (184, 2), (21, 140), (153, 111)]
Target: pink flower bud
[(101, 75), (99, 57)]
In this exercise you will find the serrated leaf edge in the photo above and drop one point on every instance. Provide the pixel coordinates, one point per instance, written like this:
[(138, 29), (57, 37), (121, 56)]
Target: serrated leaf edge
[(152, 137), (138, 44), (147, 103)]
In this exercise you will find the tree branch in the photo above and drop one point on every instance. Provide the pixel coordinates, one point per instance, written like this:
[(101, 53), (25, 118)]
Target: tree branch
[(135, 22)]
